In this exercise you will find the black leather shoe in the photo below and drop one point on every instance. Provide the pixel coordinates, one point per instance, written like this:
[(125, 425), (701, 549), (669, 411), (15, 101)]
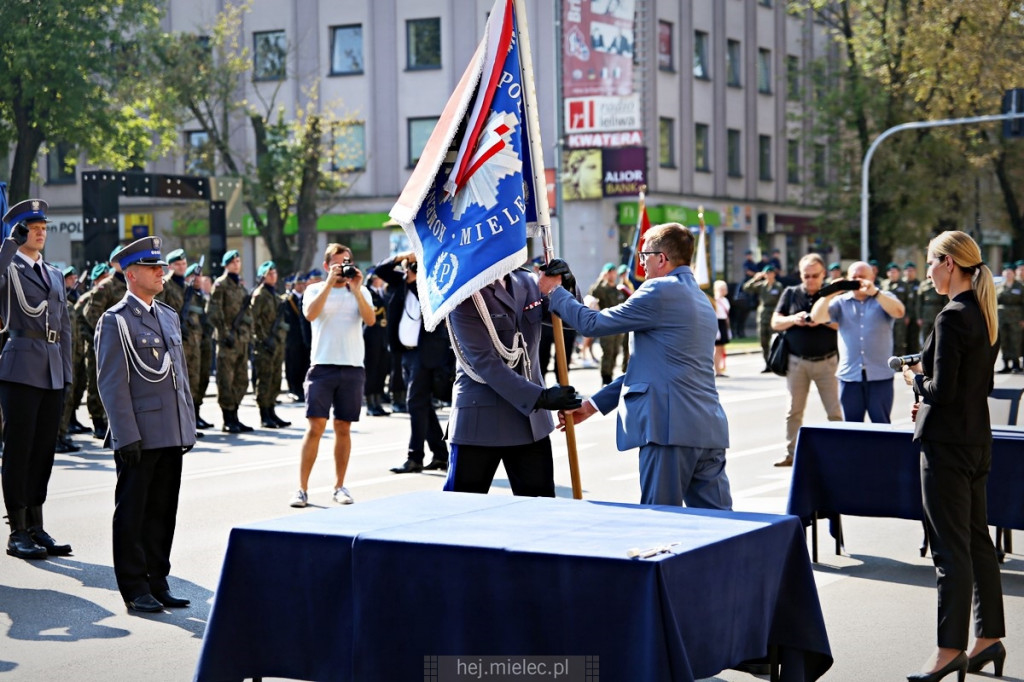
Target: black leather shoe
[(242, 428), (437, 465), (76, 427), (958, 665), (231, 428), (44, 540), (64, 446), (995, 653), (144, 603), (99, 429), (22, 545), (167, 599), (410, 467)]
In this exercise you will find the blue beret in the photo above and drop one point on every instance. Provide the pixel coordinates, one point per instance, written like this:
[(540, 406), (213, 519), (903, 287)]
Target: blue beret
[(909, 264), (606, 267), (890, 266), (70, 270), (1019, 264), (768, 268), (192, 270), (834, 266), (98, 270), (113, 253), (873, 262), (265, 267), (229, 256), (25, 211), (145, 251), (177, 254)]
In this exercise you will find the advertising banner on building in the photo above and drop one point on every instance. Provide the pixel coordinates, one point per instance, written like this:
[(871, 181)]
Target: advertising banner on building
[(624, 171), (597, 46), (598, 114)]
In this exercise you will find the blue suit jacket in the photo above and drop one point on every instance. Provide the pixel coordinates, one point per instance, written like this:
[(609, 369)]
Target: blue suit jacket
[(667, 395), (499, 412)]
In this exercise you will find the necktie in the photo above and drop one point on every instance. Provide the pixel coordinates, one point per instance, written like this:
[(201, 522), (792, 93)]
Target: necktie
[(39, 271)]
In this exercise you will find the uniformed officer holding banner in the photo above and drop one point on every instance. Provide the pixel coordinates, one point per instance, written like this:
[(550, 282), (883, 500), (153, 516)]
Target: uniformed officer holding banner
[(143, 382)]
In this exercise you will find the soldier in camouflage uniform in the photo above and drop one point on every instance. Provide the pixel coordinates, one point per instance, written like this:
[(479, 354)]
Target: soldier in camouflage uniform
[(607, 293), (1019, 273), (197, 280), (269, 333), (181, 297), (1010, 298), (895, 285), (767, 290), (929, 303), (229, 314), (64, 442), (913, 287), (104, 296)]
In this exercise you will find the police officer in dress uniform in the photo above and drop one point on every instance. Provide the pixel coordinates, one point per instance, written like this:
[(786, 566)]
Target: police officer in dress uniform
[(269, 331), (109, 292), (1010, 300), (895, 285), (178, 294), (232, 320), (768, 290), (298, 340), (143, 383), (35, 370)]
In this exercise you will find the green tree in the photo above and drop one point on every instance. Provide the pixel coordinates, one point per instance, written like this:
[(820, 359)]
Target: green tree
[(910, 60), (70, 74), (291, 170)]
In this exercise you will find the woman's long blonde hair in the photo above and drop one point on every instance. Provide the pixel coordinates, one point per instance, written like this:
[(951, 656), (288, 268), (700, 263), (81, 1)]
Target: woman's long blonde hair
[(967, 256)]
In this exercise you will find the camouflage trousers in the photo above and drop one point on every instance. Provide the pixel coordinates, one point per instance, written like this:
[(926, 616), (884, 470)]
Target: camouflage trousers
[(232, 374), (266, 374)]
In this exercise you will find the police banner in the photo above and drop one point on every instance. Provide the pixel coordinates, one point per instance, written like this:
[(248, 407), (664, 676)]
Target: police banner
[(5, 231), (470, 203)]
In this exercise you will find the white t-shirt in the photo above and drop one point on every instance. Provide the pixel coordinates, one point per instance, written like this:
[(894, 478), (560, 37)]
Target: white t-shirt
[(338, 329)]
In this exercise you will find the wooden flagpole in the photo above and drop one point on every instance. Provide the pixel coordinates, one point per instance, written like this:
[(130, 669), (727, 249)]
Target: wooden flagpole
[(544, 221)]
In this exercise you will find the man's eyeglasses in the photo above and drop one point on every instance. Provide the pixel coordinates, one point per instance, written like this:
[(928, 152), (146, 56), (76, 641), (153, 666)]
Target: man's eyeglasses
[(644, 254)]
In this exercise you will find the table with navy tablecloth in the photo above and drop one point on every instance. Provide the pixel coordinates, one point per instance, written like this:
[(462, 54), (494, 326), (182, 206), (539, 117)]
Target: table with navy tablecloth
[(864, 469), (378, 590)]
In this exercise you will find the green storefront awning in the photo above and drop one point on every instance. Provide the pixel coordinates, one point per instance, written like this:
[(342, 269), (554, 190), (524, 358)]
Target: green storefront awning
[(666, 213), (329, 222)]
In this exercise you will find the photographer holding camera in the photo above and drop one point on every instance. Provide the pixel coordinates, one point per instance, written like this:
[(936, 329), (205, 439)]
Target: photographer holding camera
[(337, 308), (813, 351)]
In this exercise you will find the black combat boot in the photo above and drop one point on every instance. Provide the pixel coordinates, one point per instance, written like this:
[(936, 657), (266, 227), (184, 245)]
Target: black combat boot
[(398, 402), (266, 420), (99, 428), (34, 525), (200, 422), (242, 428), (231, 424), (375, 405), (21, 544), (280, 422)]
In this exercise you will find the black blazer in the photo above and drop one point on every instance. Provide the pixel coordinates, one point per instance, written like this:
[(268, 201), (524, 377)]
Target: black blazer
[(433, 346), (957, 364)]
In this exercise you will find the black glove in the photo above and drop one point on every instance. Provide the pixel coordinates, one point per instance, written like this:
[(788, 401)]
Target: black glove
[(557, 266), (131, 454), (186, 448), (269, 345), (229, 340), (558, 398), (19, 233)]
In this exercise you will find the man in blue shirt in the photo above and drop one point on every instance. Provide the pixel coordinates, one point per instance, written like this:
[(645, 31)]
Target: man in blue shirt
[(865, 318)]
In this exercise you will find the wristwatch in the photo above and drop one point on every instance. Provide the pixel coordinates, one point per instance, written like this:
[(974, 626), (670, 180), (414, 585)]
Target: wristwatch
[(877, 292)]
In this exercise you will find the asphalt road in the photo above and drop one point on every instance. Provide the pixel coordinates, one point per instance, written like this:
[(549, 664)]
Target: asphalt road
[(63, 618)]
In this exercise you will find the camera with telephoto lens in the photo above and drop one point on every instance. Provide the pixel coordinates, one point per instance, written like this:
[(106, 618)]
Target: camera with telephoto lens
[(348, 271)]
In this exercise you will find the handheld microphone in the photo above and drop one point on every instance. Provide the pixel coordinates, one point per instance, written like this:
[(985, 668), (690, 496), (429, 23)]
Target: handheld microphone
[(898, 362)]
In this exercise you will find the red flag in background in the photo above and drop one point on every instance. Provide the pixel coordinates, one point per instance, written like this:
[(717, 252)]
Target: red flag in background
[(643, 223)]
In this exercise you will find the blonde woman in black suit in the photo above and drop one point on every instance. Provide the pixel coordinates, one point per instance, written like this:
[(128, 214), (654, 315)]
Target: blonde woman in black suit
[(953, 381)]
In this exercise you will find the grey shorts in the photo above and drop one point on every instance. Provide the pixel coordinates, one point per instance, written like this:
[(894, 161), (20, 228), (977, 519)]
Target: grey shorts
[(337, 385)]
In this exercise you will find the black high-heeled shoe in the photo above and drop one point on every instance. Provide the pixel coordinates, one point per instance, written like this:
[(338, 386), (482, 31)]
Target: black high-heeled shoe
[(995, 653), (959, 664)]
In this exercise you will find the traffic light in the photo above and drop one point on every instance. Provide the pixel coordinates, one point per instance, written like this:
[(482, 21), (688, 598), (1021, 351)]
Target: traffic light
[(1013, 103)]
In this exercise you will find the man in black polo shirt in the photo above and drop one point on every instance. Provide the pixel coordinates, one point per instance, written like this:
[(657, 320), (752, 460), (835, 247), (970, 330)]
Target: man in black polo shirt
[(813, 351)]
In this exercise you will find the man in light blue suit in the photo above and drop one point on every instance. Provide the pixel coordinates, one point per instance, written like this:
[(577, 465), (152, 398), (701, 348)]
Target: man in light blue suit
[(667, 401)]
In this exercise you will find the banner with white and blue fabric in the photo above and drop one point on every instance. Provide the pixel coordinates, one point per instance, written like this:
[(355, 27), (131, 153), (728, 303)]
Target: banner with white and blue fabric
[(5, 230), (469, 203)]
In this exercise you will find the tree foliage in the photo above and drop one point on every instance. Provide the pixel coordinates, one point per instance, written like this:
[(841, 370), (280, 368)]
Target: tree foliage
[(914, 60), (293, 166), (75, 72)]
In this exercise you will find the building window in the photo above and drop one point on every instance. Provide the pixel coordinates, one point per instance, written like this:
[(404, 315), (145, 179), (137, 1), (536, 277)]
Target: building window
[(820, 166), (700, 147), (269, 56), (423, 43), (57, 171), (665, 50), (732, 63), (792, 78), (198, 153), (666, 143), (765, 3), (419, 132), (764, 71), (700, 55), (793, 162), (733, 142), (764, 155), (348, 146), (346, 50)]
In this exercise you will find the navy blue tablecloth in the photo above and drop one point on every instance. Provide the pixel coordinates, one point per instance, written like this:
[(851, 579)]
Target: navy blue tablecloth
[(369, 592), (874, 470)]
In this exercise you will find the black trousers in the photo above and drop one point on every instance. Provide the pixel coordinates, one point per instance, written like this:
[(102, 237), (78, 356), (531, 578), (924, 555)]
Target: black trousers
[(530, 468), (145, 511), (296, 364), (953, 481), (376, 361), (423, 422), (31, 419)]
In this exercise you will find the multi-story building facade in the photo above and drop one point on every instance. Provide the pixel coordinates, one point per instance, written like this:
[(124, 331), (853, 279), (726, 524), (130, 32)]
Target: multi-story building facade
[(709, 109)]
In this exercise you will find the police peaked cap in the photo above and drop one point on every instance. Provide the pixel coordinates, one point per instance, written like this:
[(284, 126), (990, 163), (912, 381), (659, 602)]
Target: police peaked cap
[(315, 272), (229, 256), (265, 267), (27, 211), (145, 251)]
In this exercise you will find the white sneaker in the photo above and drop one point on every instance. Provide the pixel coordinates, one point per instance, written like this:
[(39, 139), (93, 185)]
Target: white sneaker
[(342, 496), (588, 363), (299, 499)]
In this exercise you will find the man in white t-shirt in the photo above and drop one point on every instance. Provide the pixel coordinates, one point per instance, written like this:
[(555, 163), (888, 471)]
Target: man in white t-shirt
[(337, 308)]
